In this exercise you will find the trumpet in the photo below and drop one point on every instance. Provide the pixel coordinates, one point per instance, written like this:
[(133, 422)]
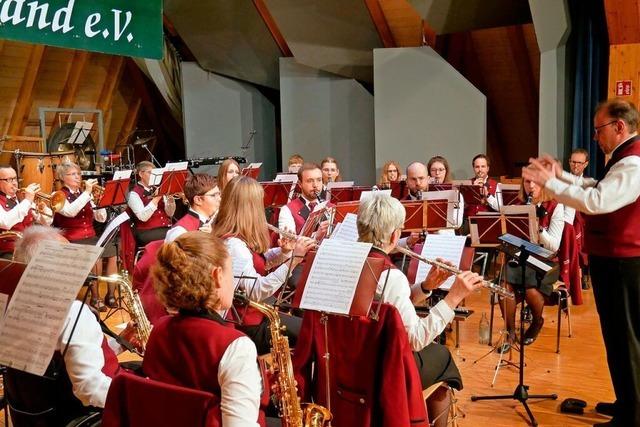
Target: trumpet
[(97, 192), (493, 287), (54, 201)]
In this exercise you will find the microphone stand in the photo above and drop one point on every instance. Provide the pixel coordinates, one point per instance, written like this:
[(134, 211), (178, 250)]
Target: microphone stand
[(521, 393), (153, 158)]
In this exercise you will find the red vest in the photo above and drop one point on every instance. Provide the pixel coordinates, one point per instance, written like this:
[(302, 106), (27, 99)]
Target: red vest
[(190, 221), (549, 206), (159, 217), (471, 210), (80, 226), (616, 234), (186, 350), (7, 245), (299, 211), (250, 316)]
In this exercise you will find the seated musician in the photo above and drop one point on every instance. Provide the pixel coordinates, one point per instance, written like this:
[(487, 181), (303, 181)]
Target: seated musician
[(417, 180), (380, 220), (76, 221), (295, 163), (390, 173), (196, 348), (84, 370), (152, 214), (550, 215), (243, 226), (295, 213), (17, 215), (440, 173), (201, 190), (330, 170), (487, 186), (228, 170)]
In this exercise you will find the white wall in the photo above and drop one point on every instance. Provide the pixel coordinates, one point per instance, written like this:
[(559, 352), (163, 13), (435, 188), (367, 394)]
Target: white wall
[(327, 115), (423, 108), (219, 115)]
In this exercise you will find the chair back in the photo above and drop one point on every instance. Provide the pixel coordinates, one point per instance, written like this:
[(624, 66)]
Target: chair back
[(143, 266), (134, 401), (373, 377)]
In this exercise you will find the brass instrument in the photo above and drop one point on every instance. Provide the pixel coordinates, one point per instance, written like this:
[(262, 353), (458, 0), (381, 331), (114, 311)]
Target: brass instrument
[(132, 301), (10, 234), (493, 287), (54, 201), (97, 192), (292, 413)]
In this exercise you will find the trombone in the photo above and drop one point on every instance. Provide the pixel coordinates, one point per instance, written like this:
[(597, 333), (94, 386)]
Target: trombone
[(493, 287)]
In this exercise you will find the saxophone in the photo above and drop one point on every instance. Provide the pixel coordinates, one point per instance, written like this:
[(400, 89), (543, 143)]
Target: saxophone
[(131, 300), (292, 413)]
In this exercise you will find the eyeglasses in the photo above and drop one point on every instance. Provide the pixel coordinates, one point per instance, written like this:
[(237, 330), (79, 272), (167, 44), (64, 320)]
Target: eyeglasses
[(574, 162), (14, 179), (438, 169), (597, 128), (218, 194)]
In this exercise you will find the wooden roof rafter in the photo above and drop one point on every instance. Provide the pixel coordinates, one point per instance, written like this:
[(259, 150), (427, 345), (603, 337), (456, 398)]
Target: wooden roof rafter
[(21, 110), (381, 24), (272, 26)]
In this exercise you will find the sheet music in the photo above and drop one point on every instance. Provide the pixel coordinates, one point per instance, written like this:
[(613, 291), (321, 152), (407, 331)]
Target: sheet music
[(510, 187), (118, 175), (29, 331), (156, 176), (536, 262), (176, 166), (348, 230), (80, 132), (368, 194), (339, 184), (254, 165), (3, 304), (286, 177), (334, 276), (445, 246), (124, 216)]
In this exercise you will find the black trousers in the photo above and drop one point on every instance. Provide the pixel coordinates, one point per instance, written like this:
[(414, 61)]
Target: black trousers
[(616, 287), (145, 236)]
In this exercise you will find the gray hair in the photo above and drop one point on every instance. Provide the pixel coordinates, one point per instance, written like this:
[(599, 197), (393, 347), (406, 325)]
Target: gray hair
[(144, 165), (378, 217), (31, 237), (63, 168)]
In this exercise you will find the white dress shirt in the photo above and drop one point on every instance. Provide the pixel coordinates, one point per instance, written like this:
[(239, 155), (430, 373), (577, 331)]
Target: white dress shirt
[(616, 190), (12, 217), (421, 330), (285, 218), (177, 230), (72, 209), (240, 383), (84, 359), (242, 260), (551, 237), (142, 212)]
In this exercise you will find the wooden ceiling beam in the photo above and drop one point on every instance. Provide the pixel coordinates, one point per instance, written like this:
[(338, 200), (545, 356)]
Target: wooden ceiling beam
[(22, 108), (111, 82), (130, 119), (263, 10), (70, 89), (380, 22)]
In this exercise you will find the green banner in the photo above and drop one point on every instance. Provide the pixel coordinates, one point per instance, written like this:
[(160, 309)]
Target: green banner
[(129, 28)]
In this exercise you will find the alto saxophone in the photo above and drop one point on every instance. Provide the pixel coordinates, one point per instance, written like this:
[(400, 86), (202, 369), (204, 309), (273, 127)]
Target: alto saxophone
[(292, 413), (131, 300)]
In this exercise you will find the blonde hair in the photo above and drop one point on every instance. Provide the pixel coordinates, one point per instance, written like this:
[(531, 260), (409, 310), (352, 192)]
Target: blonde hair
[(242, 214), (545, 196), (182, 274), (384, 176), (378, 217), (63, 168), (222, 172)]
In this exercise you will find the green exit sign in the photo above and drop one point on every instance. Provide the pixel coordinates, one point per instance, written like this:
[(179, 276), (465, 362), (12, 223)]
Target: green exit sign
[(129, 28)]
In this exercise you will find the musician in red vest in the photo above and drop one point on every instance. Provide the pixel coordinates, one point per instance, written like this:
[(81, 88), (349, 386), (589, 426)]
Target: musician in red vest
[(380, 221), (152, 213), (76, 221), (17, 215), (196, 348), (611, 206), (492, 200), (550, 215), (203, 194), (295, 213), (243, 226), (79, 375)]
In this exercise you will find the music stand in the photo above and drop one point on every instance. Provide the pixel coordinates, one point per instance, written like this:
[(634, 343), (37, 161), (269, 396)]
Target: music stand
[(399, 189), (172, 182), (344, 208), (510, 194), (114, 193), (252, 170), (276, 194), (416, 212), (520, 250), (472, 194)]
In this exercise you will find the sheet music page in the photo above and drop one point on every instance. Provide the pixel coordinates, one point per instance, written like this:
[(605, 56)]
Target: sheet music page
[(445, 246), (80, 132), (254, 165), (286, 177), (348, 230), (176, 166), (124, 216), (3, 304), (510, 187), (367, 194), (118, 175), (156, 176), (339, 184), (518, 209), (536, 262), (334, 276), (30, 328)]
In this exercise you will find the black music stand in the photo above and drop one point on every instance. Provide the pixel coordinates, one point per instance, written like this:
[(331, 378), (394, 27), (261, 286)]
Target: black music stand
[(520, 250)]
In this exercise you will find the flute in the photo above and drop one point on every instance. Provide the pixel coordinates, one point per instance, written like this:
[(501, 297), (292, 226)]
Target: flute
[(285, 234), (493, 287)]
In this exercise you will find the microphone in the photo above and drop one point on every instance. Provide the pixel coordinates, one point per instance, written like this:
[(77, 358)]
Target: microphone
[(419, 194), (529, 199)]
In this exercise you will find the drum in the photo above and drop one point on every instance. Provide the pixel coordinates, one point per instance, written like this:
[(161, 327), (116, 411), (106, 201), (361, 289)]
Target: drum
[(35, 168), (57, 158)]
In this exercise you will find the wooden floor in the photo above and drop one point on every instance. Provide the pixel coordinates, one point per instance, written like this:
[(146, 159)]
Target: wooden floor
[(580, 370)]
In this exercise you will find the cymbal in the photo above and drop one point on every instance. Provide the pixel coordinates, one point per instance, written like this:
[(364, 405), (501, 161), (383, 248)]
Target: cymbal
[(141, 141)]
